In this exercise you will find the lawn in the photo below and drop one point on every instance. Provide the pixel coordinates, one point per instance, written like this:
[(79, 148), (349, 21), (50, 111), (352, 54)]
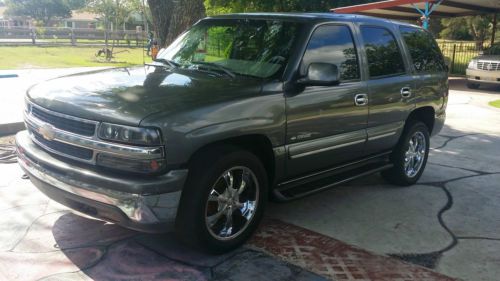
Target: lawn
[(495, 103), (50, 57)]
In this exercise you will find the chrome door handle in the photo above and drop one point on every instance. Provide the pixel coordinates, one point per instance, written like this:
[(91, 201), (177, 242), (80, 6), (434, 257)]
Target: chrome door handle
[(406, 92), (361, 99)]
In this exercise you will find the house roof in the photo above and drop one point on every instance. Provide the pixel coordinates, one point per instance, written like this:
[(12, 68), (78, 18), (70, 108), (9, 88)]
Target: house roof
[(83, 16), (75, 15)]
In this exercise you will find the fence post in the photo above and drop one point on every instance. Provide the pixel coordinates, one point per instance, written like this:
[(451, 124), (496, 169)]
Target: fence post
[(73, 39), (33, 36), (452, 68)]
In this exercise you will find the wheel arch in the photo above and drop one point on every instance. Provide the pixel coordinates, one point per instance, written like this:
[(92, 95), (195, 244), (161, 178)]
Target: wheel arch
[(425, 114), (258, 144)]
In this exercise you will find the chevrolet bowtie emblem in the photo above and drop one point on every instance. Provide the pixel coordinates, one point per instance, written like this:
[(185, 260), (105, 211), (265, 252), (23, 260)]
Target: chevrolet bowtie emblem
[(47, 131)]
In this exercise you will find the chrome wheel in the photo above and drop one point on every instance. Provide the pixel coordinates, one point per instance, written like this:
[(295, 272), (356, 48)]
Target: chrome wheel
[(415, 155), (232, 203)]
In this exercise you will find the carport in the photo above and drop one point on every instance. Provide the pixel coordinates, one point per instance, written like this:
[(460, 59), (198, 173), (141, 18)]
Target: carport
[(424, 9)]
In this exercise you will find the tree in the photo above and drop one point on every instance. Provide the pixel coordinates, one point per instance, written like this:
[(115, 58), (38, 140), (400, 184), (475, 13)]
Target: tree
[(236, 6), (114, 13), (40, 10), (76, 4), (171, 17), (455, 29), (476, 28)]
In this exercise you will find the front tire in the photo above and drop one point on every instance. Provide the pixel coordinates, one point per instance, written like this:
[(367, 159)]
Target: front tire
[(473, 86), (223, 200), (409, 156)]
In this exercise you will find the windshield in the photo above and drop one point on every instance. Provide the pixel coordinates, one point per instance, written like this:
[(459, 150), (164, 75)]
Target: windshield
[(258, 48)]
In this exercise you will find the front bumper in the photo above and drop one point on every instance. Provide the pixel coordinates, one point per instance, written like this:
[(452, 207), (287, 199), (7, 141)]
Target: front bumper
[(151, 208), (483, 76)]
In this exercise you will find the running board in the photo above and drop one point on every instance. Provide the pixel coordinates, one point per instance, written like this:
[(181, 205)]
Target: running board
[(289, 192)]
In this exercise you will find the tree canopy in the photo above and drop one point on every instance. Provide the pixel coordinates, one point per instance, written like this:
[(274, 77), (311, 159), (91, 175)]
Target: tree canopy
[(237, 6), (476, 28), (40, 10)]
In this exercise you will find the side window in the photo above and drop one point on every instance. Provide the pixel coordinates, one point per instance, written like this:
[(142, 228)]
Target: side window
[(382, 51), (333, 44), (424, 51)]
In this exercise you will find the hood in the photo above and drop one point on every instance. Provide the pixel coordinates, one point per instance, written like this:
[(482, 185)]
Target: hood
[(488, 57), (128, 95)]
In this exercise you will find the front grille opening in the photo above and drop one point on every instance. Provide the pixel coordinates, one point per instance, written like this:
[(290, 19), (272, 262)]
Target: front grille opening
[(64, 148), (490, 66), (69, 125)]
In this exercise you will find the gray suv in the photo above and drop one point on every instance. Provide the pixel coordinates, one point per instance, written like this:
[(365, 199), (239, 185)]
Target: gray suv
[(237, 109)]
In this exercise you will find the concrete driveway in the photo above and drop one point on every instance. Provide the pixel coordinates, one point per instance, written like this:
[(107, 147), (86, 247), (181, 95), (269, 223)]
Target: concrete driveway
[(367, 230)]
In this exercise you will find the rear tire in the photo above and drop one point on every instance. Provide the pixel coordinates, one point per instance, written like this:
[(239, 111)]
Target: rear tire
[(473, 86), (409, 156), (216, 214)]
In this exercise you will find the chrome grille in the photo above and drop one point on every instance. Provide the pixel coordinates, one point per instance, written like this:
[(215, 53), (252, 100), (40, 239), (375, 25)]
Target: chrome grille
[(76, 138), (488, 65), (60, 147), (66, 124)]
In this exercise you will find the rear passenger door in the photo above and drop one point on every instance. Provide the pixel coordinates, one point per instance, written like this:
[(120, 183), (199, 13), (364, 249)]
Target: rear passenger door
[(391, 87), (325, 125)]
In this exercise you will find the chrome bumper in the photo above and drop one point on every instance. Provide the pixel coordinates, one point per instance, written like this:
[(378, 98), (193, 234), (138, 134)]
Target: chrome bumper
[(483, 76), (151, 202)]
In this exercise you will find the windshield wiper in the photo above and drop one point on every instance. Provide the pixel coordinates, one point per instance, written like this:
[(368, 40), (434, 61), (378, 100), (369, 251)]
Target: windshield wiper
[(170, 63), (218, 66)]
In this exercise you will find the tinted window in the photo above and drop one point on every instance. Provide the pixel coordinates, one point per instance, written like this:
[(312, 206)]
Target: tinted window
[(333, 44), (259, 48), (424, 51), (384, 56)]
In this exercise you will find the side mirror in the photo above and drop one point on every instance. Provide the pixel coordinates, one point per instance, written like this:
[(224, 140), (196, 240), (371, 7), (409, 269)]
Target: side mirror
[(321, 74)]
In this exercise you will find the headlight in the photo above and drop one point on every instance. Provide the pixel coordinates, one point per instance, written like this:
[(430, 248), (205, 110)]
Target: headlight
[(129, 135), (472, 64)]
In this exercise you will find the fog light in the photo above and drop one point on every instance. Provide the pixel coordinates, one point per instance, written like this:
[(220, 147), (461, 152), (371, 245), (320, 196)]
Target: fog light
[(130, 165)]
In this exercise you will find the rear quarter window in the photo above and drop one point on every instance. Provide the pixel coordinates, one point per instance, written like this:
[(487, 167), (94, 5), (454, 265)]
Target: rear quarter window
[(382, 51), (425, 53)]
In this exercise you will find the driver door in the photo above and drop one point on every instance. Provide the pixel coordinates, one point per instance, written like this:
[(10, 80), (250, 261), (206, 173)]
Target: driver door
[(326, 125)]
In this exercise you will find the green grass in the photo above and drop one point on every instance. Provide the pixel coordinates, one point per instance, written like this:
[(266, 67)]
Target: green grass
[(51, 57), (495, 103)]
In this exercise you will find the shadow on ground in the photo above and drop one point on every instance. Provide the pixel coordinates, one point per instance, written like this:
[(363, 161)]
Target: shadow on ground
[(104, 251)]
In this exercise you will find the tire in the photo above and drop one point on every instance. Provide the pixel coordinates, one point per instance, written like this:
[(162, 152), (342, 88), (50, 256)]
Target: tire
[(473, 86), (405, 173), (202, 224)]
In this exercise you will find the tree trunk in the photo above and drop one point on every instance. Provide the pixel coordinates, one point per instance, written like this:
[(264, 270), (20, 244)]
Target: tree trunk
[(172, 17)]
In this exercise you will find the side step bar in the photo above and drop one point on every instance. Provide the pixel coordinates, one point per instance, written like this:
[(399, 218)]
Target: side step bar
[(306, 186)]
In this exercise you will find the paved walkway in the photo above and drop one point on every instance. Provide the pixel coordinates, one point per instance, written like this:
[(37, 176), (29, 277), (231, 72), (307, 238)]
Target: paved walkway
[(448, 223)]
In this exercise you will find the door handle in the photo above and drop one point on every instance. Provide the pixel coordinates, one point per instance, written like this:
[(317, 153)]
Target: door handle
[(361, 99), (406, 92)]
